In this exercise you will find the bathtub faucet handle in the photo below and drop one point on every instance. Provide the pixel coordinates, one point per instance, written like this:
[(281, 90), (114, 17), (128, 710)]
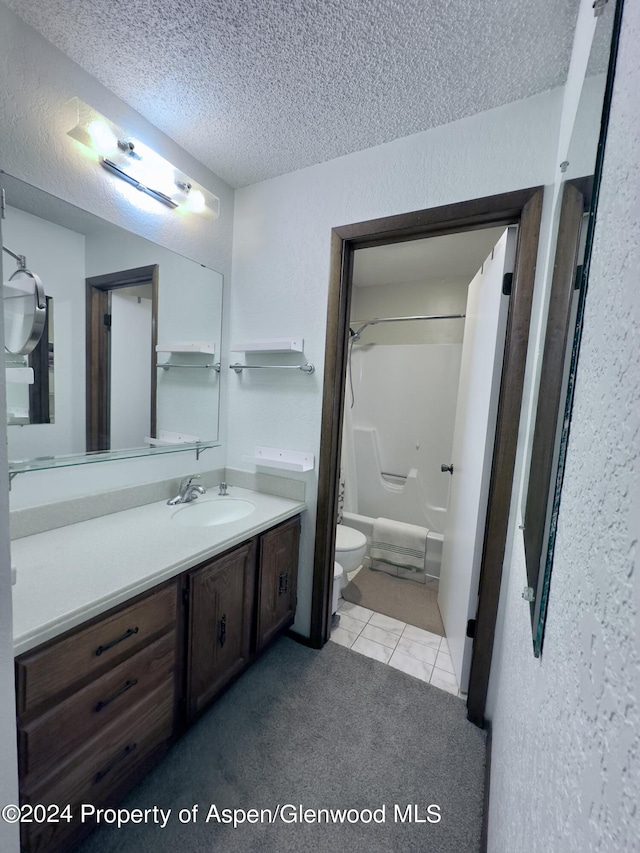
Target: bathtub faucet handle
[(444, 468)]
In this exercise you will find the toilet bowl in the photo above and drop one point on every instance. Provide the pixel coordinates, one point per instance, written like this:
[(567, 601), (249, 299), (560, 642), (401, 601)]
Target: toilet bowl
[(351, 546)]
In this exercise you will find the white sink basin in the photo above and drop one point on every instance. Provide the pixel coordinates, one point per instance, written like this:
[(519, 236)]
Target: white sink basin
[(207, 513)]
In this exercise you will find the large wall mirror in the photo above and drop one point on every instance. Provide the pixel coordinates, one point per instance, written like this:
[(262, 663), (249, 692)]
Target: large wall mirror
[(128, 360), (577, 202)]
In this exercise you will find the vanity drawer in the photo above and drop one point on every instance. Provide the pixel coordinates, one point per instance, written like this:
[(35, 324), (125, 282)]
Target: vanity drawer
[(42, 675), (109, 766), (59, 732)]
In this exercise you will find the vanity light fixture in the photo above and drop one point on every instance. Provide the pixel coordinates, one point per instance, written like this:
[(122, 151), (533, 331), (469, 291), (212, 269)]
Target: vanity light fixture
[(138, 165)]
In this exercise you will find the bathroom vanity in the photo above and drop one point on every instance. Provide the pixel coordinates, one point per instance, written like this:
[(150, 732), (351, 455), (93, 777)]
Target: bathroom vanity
[(100, 702)]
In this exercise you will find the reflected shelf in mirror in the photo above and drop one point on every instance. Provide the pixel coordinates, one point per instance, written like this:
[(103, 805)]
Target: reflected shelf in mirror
[(47, 462)]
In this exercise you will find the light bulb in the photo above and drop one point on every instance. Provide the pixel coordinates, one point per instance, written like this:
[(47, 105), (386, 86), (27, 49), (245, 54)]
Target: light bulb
[(195, 201), (102, 137)]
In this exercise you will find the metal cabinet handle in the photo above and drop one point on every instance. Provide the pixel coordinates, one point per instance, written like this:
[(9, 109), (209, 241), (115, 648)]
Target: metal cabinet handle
[(223, 630), (283, 583), (127, 686), (444, 468), (129, 748), (115, 642)]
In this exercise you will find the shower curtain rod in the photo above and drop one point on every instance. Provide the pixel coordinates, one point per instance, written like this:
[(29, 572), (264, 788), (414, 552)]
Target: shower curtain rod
[(356, 335)]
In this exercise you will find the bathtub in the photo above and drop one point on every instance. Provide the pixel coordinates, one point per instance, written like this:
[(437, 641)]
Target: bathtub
[(386, 495), (434, 541)]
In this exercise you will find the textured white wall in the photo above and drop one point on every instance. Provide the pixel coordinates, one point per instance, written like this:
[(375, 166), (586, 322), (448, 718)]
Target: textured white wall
[(566, 745), (38, 82), (282, 234)]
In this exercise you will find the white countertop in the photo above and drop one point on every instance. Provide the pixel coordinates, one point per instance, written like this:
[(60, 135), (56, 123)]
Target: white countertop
[(69, 575)]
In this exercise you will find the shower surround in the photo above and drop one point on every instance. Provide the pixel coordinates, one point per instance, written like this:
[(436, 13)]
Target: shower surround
[(398, 433)]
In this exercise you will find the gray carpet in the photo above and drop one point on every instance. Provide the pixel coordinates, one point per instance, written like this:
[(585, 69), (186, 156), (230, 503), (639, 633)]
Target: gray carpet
[(322, 729), (401, 598)]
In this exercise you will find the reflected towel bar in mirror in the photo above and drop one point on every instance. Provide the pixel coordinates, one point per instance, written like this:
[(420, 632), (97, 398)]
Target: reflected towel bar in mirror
[(165, 365), (305, 368)]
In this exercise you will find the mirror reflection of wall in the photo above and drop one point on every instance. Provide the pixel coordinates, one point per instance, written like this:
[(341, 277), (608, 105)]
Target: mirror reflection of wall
[(58, 254), (33, 402), (575, 194), (69, 246)]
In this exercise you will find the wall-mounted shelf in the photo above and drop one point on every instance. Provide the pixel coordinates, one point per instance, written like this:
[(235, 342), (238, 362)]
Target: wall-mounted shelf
[(271, 345), (23, 375), (290, 460), (187, 346), (166, 437)]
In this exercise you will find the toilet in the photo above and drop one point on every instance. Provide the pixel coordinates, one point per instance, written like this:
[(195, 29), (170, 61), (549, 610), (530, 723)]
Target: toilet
[(351, 546)]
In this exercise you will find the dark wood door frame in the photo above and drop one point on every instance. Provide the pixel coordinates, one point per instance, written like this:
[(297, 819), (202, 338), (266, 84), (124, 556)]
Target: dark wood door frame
[(98, 372), (522, 207), (39, 401)]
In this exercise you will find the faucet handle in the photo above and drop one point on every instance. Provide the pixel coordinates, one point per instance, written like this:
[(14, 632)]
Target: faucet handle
[(223, 489)]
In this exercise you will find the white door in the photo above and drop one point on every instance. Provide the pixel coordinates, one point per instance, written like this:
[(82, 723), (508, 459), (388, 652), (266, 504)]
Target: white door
[(131, 320), (471, 456)]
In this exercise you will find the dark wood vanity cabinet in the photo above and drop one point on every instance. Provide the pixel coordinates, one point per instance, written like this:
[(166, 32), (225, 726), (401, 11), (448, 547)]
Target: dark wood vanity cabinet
[(220, 596), (238, 603), (100, 705), (96, 708), (277, 582)]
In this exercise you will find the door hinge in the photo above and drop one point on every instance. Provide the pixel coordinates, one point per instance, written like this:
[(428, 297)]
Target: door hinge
[(471, 628), (107, 320), (507, 281), (529, 593), (578, 282)]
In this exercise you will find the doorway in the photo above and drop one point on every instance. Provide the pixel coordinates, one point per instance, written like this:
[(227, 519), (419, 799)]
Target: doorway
[(427, 331), (122, 372), (521, 208)]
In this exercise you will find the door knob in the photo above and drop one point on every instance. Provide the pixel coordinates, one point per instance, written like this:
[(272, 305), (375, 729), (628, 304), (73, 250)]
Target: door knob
[(444, 468)]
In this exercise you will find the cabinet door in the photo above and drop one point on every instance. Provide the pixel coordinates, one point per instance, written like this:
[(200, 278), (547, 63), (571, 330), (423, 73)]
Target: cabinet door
[(277, 580), (220, 605)]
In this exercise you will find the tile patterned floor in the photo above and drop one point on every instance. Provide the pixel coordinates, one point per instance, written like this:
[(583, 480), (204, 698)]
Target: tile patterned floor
[(416, 652)]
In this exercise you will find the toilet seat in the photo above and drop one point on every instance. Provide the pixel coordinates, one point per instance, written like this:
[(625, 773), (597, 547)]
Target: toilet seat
[(348, 539)]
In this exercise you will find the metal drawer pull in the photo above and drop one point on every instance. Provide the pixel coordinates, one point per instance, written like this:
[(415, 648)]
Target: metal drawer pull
[(129, 748), (113, 643), (127, 686), (223, 630), (283, 583)]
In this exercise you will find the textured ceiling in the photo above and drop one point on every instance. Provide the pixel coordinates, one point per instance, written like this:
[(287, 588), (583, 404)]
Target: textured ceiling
[(256, 88)]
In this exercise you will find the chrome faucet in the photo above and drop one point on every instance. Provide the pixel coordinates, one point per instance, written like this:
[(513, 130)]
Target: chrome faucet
[(188, 491), (222, 492)]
